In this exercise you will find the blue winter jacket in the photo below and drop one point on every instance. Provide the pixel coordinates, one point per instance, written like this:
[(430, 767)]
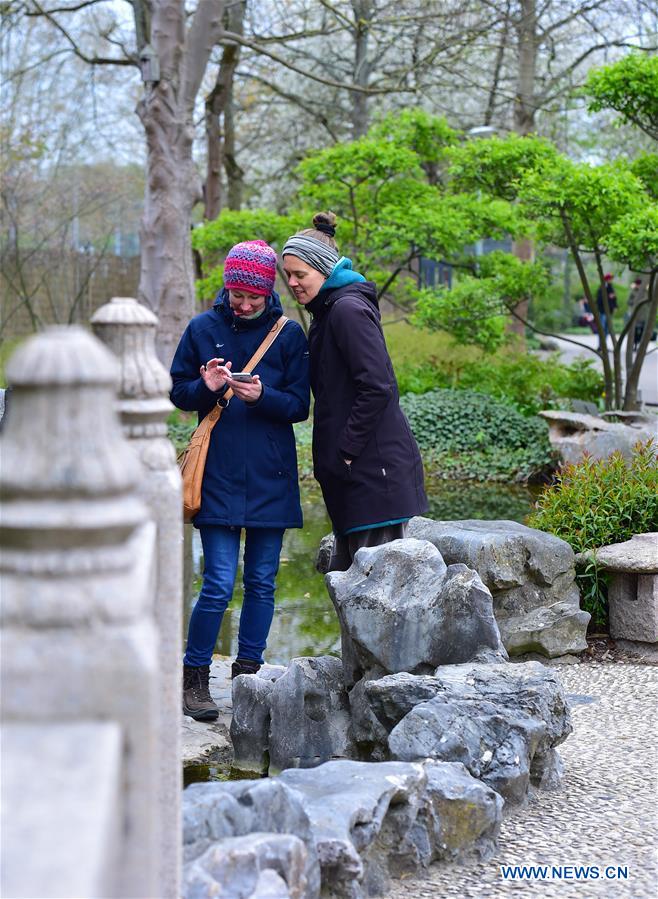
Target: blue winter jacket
[(250, 478)]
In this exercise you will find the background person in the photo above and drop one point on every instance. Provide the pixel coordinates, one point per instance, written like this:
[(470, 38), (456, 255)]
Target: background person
[(364, 454), (612, 302), (250, 479)]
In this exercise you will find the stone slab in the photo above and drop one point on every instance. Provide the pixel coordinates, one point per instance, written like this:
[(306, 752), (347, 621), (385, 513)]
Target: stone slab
[(61, 809), (639, 555)]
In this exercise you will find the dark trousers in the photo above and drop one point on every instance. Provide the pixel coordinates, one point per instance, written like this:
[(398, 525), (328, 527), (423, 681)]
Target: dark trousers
[(346, 547)]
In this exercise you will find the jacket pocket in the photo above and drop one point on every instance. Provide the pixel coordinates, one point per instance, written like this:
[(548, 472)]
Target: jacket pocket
[(282, 470)]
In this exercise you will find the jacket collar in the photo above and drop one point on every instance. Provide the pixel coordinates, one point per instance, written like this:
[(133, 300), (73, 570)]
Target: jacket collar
[(273, 311)]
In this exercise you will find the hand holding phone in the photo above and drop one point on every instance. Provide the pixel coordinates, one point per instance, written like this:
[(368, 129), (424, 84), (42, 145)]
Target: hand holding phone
[(244, 377)]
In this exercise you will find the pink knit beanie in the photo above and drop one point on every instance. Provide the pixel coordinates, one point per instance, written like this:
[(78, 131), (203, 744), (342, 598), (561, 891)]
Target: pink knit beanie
[(250, 266)]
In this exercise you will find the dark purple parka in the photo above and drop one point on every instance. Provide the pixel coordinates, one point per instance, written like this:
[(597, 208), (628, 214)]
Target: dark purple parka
[(357, 414)]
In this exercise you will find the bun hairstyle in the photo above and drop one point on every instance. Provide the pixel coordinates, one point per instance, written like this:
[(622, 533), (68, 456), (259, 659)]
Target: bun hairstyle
[(324, 228)]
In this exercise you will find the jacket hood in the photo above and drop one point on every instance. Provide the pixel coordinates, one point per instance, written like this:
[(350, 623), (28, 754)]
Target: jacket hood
[(273, 310), (342, 276)]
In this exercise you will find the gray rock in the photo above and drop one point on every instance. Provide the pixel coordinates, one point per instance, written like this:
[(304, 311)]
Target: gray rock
[(525, 570), (375, 821), (467, 813), (215, 812), (495, 746), (324, 553), (394, 696), (250, 723), (258, 866), (552, 631), (368, 734), (574, 433), (527, 688), (401, 608), (547, 770), (309, 715)]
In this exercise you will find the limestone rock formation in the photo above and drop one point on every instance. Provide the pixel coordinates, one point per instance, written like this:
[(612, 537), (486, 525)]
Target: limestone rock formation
[(258, 866), (531, 576), (298, 720), (309, 715), (401, 608), (215, 812), (574, 433), (362, 823), (518, 713)]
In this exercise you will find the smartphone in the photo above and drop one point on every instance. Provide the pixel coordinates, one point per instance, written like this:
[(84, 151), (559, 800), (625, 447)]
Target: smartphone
[(244, 377)]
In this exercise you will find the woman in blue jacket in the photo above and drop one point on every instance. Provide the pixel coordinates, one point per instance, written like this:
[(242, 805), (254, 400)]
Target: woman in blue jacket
[(250, 478)]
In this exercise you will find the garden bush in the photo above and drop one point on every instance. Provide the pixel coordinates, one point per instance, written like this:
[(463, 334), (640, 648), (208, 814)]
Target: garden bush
[(520, 379), (179, 428), (599, 502), (463, 434)]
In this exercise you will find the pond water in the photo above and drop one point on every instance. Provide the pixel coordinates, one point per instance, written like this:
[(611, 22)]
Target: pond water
[(304, 619)]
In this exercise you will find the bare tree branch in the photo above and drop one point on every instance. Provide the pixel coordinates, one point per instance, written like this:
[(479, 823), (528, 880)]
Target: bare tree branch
[(91, 60)]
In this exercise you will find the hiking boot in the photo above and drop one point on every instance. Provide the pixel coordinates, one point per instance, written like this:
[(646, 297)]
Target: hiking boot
[(244, 666), (197, 701)]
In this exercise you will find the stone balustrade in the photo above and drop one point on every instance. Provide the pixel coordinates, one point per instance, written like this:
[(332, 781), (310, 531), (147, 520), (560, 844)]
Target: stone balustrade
[(81, 648), (128, 329)]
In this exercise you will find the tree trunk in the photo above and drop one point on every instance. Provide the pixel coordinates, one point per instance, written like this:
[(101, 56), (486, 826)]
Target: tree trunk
[(633, 379), (524, 123), (527, 43), (234, 173), (221, 152), (362, 14), (173, 186), (524, 250)]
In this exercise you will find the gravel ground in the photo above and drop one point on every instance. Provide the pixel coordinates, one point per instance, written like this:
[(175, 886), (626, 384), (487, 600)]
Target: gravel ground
[(606, 813)]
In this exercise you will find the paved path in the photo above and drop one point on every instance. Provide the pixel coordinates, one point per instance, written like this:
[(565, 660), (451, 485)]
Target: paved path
[(648, 376), (606, 813)]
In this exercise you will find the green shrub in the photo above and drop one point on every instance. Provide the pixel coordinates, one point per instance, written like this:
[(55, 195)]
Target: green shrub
[(599, 502), (179, 428), (463, 434), (523, 380)]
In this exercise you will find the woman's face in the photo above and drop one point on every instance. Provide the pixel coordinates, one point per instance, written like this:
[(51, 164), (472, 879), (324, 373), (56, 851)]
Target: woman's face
[(304, 281), (244, 303)]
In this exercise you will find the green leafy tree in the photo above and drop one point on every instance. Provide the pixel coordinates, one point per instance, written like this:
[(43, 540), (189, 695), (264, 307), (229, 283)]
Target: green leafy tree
[(389, 190), (575, 206), (630, 87), (633, 240), (476, 309)]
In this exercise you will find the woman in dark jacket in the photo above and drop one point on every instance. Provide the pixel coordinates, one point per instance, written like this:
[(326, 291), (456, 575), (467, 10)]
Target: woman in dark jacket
[(364, 454), (250, 478)]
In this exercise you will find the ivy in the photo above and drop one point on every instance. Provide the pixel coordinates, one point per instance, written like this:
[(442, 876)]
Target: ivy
[(464, 434)]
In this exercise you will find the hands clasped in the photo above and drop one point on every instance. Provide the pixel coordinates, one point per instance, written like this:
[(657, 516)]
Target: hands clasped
[(216, 375)]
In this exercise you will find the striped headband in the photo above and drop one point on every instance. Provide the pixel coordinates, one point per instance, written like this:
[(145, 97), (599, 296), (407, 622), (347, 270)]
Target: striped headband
[(318, 255)]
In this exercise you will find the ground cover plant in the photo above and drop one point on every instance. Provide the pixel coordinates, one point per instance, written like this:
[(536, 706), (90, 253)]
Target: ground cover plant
[(599, 502), (464, 434)]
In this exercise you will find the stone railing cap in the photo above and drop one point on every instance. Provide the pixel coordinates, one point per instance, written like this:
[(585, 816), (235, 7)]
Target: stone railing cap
[(124, 311), (639, 555), (61, 356)]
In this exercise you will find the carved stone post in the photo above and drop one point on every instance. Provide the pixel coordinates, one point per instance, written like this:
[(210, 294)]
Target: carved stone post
[(79, 646), (128, 329)]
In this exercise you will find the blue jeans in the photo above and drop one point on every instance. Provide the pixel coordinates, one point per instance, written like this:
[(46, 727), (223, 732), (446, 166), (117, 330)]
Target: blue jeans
[(221, 546)]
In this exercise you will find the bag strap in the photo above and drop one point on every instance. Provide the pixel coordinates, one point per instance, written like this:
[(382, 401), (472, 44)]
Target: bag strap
[(270, 337)]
